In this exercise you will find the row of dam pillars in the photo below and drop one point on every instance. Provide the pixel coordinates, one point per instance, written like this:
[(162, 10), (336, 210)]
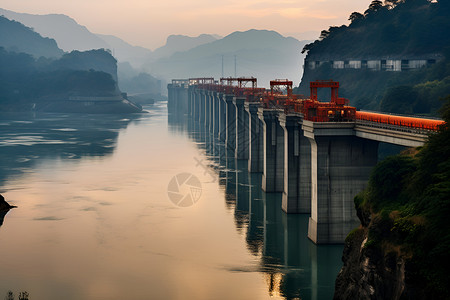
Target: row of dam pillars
[(318, 168)]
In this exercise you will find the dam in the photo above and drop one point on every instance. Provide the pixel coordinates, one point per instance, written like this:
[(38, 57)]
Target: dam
[(319, 155)]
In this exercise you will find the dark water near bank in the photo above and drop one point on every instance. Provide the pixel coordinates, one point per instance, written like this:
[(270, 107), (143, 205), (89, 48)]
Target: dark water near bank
[(97, 219)]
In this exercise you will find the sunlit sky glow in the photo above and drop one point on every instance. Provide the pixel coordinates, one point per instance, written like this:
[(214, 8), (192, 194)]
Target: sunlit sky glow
[(147, 23)]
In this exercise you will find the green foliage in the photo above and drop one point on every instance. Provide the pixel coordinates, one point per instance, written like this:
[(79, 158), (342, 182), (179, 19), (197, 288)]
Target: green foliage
[(25, 79), (406, 230), (409, 198), (407, 28), (388, 181), (353, 234), (359, 200), (400, 99), (379, 230), (413, 92), (410, 27)]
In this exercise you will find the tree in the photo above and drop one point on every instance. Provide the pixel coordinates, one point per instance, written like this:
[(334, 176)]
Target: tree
[(373, 7), (391, 3), (356, 16), (307, 47), (324, 34), (399, 99), (376, 5)]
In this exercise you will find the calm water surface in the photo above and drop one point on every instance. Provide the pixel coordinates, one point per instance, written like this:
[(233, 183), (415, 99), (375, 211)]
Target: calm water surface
[(95, 220)]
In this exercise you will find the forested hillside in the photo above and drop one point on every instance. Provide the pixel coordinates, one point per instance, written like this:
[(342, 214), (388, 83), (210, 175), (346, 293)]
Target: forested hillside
[(409, 28), (24, 79), (16, 37), (403, 243)]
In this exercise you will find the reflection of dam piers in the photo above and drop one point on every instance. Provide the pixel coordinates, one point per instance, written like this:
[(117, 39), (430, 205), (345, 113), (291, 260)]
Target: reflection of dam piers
[(318, 155)]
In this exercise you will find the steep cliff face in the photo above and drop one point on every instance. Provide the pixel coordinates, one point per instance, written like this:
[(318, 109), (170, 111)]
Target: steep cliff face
[(400, 250), (371, 272)]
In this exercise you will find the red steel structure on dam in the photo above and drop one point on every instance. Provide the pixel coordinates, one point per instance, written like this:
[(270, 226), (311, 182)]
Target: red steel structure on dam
[(318, 154), (280, 95)]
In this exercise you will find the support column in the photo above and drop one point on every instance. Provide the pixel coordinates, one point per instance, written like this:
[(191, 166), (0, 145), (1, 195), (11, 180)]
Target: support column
[(341, 164), (170, 97), (196, 99), (273, 147), (190, 102), (207, 111), (202, 106), (174, 105), (241, 150), (297, 166), (230, 126), (222, 117), (217, 100), (255, 143), (211, 111), (182, 101)]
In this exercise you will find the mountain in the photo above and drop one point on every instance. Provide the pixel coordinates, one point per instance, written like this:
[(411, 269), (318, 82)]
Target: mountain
[(125, 52), (263, 54), (139, 84), (97, 60), (393, 57), (72, 36), (66, 31), (180, 43), (77, 82), (16, 37), (400, 251)]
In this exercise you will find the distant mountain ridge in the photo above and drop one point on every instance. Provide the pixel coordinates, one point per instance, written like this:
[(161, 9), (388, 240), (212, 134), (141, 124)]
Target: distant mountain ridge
[(181, 43), (36, 75), (263, 54), (66, 31), (260, 53), (16, 37), (124, 52), (70, 36)]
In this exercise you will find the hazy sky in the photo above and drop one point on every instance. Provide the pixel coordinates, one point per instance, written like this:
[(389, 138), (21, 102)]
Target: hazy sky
[(148, 22)]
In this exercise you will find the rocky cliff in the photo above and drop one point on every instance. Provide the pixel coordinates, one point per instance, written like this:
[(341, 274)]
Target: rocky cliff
[(400, 251), (371, 272)]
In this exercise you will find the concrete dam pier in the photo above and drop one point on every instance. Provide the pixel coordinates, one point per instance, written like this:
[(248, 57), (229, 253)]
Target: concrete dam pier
[(319, 155)]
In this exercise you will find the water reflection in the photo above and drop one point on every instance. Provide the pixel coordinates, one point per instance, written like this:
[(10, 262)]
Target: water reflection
[(293, 267), (94, 220), (27, 138)]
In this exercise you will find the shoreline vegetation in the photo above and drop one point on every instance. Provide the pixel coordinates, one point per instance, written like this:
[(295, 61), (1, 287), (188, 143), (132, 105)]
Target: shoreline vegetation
[(395, 28), (400, 251)]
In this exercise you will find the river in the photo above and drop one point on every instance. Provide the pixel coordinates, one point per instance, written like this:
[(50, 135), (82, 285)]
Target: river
[(103, 214)]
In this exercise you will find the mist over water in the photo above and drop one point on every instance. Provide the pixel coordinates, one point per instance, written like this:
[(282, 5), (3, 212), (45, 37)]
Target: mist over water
[(98, 215)]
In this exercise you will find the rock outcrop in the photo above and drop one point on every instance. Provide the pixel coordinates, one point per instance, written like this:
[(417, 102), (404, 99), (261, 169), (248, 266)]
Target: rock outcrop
[(400, 250), (371, 273), (4, 205), (4, 208)]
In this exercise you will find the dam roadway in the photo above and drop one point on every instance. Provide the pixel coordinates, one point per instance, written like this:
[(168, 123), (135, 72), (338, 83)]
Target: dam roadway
[(318, 155)]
